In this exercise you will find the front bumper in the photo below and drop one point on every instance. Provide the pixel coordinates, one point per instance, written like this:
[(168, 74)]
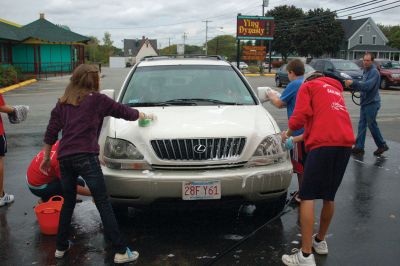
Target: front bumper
[(252, 184)]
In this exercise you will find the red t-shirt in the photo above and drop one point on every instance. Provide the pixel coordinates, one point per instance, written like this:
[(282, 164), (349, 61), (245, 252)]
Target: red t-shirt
[(35, 176), (2, 102)]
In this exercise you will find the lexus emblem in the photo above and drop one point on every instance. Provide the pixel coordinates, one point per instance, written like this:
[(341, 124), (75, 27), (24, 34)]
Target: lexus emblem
[(199, 148)]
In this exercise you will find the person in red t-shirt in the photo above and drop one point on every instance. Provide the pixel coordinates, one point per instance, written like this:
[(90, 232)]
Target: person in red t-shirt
[(4, 197), (47, 186)]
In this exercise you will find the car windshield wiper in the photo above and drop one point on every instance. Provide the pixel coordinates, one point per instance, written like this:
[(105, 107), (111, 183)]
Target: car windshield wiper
[(194, 100), (148, 104), (167, 103)]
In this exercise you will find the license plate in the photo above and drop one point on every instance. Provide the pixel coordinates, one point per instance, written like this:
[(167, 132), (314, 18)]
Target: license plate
[(201, 190)]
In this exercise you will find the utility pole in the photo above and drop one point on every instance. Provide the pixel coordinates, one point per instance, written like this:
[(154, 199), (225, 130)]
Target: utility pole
[(184, 40), (206, 21)]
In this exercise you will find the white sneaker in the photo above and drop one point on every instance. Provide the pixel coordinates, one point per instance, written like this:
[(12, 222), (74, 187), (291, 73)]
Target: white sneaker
[(6, 199), (128, 256), (297, 259), (320, 247), (59, 254)]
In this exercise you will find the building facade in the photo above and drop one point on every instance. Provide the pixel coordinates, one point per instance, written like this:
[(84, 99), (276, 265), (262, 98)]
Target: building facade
[(363, 35)]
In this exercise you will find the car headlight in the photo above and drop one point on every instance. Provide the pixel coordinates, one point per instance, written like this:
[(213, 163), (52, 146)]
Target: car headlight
[(344, 75), (395, 75), (269, 151), (121, 154)]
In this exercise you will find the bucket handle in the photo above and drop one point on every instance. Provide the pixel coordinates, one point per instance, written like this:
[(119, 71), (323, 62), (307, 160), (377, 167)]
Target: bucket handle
[(57, 198), (48, 211)]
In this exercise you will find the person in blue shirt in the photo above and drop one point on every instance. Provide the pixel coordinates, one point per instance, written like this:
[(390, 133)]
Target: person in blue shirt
[(370, 102), (295, 69)]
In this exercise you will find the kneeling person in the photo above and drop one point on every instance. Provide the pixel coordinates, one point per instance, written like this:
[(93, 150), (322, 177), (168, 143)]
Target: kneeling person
[(47, 186)]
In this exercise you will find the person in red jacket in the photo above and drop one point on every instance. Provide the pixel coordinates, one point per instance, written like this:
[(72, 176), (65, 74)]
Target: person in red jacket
[(328, 134), (47, 186)]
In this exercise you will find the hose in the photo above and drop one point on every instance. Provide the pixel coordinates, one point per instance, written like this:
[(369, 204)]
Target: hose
[(225, 252)]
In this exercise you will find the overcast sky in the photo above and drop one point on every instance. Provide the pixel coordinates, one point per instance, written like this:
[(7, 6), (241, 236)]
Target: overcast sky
[(168, 20)]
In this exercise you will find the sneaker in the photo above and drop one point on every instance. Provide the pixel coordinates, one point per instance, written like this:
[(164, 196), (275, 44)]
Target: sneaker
[(128, 256), (357, 151), (320, 247), (297, 259), (381, 150), (59, 254), (6, 199)]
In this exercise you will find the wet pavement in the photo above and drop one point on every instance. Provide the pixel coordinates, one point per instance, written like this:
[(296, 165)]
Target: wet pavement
[(365, 229)]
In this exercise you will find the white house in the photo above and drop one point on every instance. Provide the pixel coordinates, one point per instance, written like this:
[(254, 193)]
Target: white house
[(135, 49)]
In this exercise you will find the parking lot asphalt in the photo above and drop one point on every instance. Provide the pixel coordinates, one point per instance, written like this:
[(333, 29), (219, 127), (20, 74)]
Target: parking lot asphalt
[(364, 231)]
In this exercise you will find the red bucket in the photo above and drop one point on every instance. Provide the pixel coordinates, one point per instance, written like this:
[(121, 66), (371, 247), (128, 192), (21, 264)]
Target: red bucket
[(48, 215)]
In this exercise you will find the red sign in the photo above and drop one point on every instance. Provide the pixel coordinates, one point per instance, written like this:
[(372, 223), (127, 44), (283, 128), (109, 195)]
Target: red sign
[(255, 28)]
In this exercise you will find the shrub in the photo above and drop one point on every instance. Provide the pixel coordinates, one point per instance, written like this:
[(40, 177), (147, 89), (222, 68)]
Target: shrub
[(253, 69), (10, 75)]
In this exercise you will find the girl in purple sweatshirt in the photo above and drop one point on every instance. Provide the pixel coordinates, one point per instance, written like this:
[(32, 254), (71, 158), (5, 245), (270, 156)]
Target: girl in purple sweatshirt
[(79, 115)]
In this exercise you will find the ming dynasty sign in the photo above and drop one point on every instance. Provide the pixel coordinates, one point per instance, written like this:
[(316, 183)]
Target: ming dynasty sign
[(255, 28)]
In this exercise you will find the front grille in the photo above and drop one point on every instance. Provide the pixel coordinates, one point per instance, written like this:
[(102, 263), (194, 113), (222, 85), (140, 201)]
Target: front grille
[(199, 149)]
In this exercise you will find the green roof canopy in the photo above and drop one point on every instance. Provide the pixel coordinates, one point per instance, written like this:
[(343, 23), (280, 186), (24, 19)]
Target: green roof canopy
[(40, 29)]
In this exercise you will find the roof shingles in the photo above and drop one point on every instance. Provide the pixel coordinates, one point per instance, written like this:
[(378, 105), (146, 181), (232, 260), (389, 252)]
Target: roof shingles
[(40, 29)]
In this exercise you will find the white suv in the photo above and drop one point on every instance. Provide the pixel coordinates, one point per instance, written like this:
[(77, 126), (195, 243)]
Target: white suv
[(212, 140)]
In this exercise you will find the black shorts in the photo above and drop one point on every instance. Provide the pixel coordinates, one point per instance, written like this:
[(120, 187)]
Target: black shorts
[(3, 144), (323, 172)]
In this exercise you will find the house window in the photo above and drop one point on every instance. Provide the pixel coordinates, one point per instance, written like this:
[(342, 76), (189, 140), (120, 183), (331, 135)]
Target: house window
[(374, 39), (368, 28), (360, 41)]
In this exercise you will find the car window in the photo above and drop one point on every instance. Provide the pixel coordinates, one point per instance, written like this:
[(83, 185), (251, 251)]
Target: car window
[(319, 65), (154, 84), (328, 66), (345, 65), (389, 65), (308, 68)]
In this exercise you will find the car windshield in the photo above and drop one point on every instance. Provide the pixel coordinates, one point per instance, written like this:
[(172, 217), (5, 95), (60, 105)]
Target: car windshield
[(186, 85), (345, 65), (390, 65)]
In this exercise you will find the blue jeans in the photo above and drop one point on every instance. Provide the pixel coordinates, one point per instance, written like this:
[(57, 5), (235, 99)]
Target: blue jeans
[(368, 115), (88, 167)]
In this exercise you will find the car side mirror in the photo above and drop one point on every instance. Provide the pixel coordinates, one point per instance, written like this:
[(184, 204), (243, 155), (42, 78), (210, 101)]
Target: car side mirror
[(109, 93), (262, 93)]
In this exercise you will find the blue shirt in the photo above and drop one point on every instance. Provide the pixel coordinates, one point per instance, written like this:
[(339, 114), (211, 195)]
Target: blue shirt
[(289, 96), (369, 86)]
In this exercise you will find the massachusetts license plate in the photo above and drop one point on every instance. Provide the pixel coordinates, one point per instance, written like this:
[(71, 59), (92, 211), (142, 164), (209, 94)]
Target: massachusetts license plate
[(201, 190)]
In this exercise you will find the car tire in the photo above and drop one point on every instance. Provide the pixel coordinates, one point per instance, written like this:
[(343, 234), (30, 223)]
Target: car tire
[(384, 84), (278, 82)]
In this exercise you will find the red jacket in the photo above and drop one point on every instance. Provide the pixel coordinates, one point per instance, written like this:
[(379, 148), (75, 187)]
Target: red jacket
[(321, 110)]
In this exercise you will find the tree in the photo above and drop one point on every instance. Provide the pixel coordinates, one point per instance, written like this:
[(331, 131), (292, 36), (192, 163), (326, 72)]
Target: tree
[(392, 33), (92, 50), (107, 48), (287, 19), (223, 45), (319, 33)]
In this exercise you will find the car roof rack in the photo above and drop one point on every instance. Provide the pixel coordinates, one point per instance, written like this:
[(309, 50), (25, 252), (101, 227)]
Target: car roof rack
[(184, 56)]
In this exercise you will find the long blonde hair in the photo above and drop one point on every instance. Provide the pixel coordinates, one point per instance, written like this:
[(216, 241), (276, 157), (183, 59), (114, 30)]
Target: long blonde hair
[(84, 80)]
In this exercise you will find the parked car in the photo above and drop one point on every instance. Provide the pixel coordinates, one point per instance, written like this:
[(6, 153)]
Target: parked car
[(389, 70), (339, 69), (242, 65), (281, 76), (212, 141)]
